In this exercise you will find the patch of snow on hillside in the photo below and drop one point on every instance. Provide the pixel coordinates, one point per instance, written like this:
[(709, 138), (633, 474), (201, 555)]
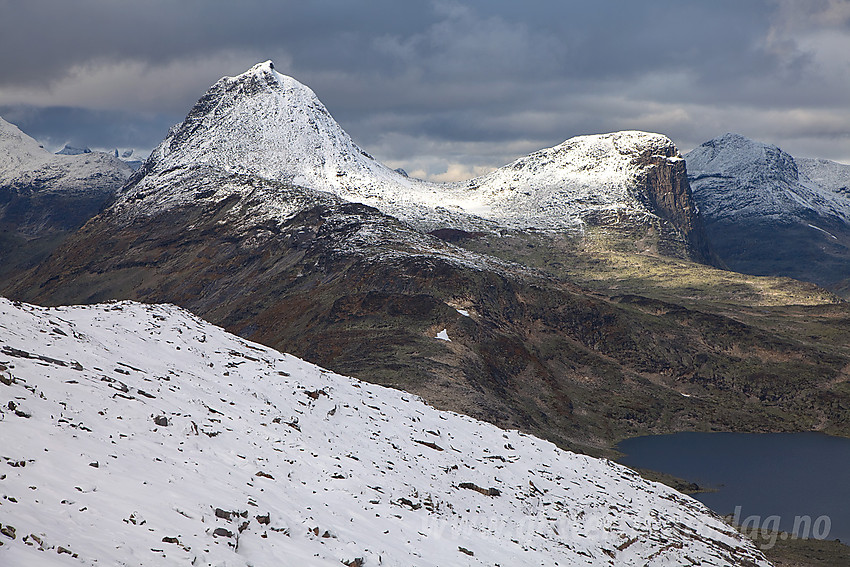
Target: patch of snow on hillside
[(823, 231)]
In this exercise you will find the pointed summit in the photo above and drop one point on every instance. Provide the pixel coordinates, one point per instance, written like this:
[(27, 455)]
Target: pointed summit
[(266, 124)]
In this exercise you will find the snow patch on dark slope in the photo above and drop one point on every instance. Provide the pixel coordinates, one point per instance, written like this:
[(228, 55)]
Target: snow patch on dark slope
[(267, 124), (140, 435)]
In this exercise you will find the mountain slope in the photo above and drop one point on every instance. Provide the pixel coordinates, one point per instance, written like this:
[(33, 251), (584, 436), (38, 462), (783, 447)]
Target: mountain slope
[(828, 174), (33, 182), (328, 279), (44, 196), (266, 124), (331, 280), (766, 215), (180, 443)]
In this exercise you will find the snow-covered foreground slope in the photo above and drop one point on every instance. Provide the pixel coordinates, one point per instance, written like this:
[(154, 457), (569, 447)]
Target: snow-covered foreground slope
[(269, 125), (141, 435)]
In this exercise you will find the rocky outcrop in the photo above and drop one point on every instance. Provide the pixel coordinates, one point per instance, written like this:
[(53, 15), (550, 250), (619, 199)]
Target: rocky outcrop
[(668, 194)]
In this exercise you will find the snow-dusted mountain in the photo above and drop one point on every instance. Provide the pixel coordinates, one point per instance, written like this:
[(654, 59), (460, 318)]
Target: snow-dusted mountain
[(735, 177), (27, 168), (134, 434), (767, 213), (44, 196), (827, 174), (69, 150), (266, 124)]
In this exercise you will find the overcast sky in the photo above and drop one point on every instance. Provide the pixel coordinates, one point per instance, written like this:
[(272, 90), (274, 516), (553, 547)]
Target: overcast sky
[(444, 88)]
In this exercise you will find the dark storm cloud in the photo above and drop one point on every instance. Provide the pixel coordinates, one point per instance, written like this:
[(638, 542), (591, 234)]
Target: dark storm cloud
[(460, 85)]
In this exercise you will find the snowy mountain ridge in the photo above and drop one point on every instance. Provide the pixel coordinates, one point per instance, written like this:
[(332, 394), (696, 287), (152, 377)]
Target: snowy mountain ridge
[(767, 213), (267, 124), (179, 443), (25, 164), (733, 176), (826, 173)]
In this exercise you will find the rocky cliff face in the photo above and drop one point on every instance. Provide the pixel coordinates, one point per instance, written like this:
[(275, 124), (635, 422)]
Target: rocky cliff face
[(668, 192), (766, 215)]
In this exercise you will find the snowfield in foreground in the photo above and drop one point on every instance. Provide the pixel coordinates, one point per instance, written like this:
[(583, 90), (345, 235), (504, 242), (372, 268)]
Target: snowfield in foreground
[(141, 435)]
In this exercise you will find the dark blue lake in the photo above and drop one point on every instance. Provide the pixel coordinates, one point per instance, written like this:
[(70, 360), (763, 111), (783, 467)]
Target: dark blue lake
[(777, 478)]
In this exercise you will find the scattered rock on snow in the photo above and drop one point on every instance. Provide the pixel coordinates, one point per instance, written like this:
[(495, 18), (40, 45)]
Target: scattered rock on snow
[(8, 531), (484, 491)]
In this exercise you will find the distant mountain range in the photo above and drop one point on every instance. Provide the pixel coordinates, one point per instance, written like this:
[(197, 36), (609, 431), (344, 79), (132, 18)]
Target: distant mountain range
[(268, 125), (260, 214)]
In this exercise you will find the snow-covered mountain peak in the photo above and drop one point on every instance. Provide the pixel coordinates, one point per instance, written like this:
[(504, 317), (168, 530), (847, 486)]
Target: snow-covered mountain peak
[(266, 124), (17, 149), (262, 68), (25, 164), (259, 122), (610, 156), (181, 444), (741, 156), (581, 177), (734, 176)]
